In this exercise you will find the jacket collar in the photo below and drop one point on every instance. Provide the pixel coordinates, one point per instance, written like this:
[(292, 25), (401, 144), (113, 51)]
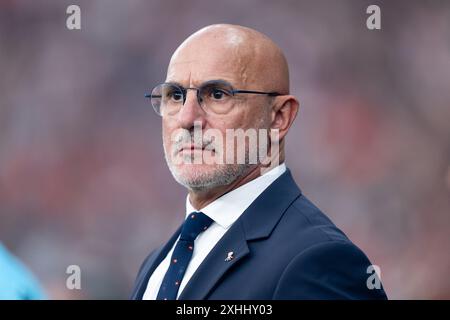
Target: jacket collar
[(257, 221)]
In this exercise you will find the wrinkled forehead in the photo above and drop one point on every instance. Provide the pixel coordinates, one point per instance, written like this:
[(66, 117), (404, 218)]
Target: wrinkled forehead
[(208, 57)]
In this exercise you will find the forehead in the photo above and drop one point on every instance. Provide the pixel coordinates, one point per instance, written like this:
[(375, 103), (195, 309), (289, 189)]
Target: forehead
[(195, 64)]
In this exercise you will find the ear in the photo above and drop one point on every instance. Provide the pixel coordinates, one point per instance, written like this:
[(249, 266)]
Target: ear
[(284, 111)]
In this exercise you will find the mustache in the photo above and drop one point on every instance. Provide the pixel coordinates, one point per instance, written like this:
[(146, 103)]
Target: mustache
[(185, 137)]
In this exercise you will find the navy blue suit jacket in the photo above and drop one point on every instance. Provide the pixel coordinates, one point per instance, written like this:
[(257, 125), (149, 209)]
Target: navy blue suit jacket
[(284, 248)]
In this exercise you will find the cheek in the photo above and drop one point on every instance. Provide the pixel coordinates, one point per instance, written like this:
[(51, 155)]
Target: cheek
[(166, 134), (232, 120), (250, 115)]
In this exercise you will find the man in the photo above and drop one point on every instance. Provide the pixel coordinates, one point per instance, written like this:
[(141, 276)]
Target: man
[(249, 232)]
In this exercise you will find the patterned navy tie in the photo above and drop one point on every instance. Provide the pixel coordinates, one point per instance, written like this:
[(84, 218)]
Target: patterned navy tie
[(194, 224)]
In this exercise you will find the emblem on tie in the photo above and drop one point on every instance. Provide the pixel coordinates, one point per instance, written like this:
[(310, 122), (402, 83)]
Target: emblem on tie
[(230, 256)]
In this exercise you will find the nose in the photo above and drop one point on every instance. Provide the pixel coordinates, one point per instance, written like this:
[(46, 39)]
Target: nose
[(191, 112)]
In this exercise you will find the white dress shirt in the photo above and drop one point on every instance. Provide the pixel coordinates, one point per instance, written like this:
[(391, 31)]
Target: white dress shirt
[(224, 211)]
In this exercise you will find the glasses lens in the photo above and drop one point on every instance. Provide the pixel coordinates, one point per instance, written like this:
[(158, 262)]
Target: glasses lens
[(167, 99), (216, 97)]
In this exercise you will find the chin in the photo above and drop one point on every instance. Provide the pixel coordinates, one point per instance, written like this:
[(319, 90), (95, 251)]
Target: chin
[(194, 175), (195, 171), (202, 177)]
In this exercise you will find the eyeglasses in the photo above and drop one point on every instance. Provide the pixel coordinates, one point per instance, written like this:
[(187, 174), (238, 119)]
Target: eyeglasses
[(215, 97)]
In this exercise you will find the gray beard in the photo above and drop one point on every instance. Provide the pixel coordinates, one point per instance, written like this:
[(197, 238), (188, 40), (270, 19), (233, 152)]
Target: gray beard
[(224, 175)]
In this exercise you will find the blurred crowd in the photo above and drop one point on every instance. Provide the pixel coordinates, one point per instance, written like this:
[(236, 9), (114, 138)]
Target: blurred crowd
[(83, 180)]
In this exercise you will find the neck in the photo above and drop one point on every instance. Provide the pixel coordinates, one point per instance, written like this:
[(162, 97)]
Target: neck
[(200, 199)]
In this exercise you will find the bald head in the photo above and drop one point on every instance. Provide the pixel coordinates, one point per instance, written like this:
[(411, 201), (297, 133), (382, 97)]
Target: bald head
[(245, 56)]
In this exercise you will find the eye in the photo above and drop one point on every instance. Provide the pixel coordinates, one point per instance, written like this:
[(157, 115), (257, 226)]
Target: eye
[(174, 94), (177, 96), (218, 94)]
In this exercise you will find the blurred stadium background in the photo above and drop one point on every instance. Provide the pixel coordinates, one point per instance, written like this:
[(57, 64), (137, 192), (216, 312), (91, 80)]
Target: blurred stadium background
[(82, 174)]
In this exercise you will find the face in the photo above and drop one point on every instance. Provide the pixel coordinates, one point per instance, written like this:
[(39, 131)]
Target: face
[(184, 133)]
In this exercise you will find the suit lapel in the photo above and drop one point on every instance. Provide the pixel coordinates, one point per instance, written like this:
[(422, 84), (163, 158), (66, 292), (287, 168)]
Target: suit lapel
[(215, 264), (151, 264), (257, 222)]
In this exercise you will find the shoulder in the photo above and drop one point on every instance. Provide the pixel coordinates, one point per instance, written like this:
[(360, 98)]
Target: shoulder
[(329, 270), (306, 223), (323, 263)]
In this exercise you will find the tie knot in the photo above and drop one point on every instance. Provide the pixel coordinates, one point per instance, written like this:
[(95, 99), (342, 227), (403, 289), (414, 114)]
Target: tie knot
[(195, 223)]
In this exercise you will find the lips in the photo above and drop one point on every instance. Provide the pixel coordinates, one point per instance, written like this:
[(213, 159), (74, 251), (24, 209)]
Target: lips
[(193, 147)]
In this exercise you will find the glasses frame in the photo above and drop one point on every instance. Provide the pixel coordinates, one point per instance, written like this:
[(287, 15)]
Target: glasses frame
[(184, 90)]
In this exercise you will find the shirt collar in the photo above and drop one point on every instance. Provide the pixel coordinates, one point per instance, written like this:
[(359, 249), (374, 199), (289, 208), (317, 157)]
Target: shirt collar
[(226, 209)]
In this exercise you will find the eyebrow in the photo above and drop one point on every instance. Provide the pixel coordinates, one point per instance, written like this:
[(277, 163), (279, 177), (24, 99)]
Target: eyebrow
[(218, 81), (212, 81), (174, 83)]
